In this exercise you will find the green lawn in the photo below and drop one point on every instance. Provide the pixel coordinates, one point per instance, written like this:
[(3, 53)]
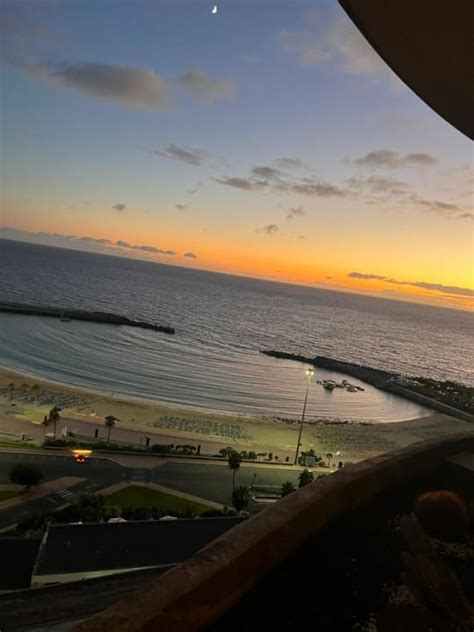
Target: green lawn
[(6, 495), (137, 496)]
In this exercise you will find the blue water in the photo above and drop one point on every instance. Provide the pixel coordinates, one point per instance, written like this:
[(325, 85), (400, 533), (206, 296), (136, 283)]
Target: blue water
[(221, 323)]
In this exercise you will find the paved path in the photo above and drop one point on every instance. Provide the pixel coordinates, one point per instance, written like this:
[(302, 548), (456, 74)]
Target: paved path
[(87, 428), (39, 491)]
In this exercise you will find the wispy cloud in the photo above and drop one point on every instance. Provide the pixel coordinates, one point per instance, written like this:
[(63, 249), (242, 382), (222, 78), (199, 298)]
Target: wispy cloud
[(190, 255), (73, 241), (23, 45), (144, 248), (266, 177), (189, 155), (367, 277), (268, 173), (378, 184), (205, 89), (119, 207), (182, 207), (269, 229), (289, 163), (393, 160), (432, 287), (333, 41), (193, 190), (241, 183), (295, 211)]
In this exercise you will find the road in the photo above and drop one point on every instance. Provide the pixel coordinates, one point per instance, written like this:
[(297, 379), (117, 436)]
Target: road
[(99, 473), (212, 481)]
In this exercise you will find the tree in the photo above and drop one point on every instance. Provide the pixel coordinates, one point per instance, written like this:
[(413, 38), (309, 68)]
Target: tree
[(240, 497), (36, 389), (54, 417), (226, 451), (305, 477), (110, 423), (329, 456), (234, 460), (26, 475), (287, 488)]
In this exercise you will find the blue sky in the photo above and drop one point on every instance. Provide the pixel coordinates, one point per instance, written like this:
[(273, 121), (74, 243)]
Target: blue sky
[(100, 99)]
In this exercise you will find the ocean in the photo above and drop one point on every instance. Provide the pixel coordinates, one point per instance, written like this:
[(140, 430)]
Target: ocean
[(222, 323)]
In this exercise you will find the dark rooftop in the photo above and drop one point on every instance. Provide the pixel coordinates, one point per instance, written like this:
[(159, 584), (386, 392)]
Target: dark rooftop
[(17, 558), (74, 548)]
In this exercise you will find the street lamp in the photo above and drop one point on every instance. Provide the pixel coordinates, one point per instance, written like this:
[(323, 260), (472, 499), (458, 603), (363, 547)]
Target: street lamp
[(309, 375)]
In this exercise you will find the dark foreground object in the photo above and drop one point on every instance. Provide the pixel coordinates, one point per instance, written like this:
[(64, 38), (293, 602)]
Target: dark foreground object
[(78, 314)]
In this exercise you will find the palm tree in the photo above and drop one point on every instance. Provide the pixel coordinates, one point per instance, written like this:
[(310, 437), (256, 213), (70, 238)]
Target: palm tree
[(54, 416), (110, 423), (329, 456), (35, 389), (240, 497), (233, 460)]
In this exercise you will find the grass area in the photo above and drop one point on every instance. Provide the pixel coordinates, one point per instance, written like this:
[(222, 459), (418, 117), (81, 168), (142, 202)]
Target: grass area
[(33, 415), (29, 445), (137, 496), (7, 494)]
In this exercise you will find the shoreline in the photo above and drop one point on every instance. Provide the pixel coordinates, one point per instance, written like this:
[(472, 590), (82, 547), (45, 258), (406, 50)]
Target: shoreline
[(84, 411)]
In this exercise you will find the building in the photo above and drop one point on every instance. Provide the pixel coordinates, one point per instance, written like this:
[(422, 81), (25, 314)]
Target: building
[(72, 552)]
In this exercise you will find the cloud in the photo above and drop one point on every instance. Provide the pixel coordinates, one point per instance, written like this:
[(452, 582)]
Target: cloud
[(84, 238), (269, 173), (195, 188), (301, 237), (205, 89), (119, 207), (289, 163), (265, 177), (393, 160), (334, 42), (328, 277), (21, 40), (436, 206), (313, 187), (73, 241), (432, 287), (360, 275), (23, 46), (182, 207), (296, 211), (189, 155), (128, 85), (241, 183), (378, 184), (144, 248), (269, 229), (190, 255)]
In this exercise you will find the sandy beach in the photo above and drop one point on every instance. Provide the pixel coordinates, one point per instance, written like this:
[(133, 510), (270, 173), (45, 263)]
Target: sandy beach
[(25, 400)]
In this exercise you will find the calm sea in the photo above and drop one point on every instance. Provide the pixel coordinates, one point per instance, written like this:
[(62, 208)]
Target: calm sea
[(221, 323)]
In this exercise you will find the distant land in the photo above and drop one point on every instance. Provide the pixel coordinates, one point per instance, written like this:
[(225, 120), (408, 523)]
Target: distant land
[(76, 314), (448, 397)]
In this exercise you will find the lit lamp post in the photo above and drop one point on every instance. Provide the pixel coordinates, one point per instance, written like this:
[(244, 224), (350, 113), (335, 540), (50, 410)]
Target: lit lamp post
[(309, 375)]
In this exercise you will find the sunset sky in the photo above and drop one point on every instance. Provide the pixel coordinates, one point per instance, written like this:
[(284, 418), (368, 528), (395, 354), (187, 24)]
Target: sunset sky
[(266, 140)]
